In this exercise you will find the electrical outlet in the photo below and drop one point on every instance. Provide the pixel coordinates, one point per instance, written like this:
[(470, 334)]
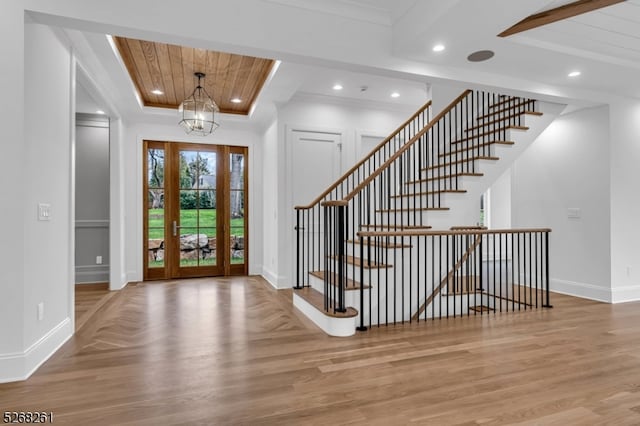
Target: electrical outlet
[(98, 260), (44, 211), (40, 311)]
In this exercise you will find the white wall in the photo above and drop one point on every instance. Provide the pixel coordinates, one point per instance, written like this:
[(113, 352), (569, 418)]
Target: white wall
[(41, 250), (12, 196), (568, 167), (625, 200), (500, 202), (270, 204), (229, 134), (352, 120)]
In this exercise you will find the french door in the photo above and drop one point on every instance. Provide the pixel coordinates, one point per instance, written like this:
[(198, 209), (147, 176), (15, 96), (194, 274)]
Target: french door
[(194, 210)]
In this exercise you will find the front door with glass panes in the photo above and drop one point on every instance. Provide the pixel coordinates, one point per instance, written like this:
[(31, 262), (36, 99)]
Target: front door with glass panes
[(195, 209)]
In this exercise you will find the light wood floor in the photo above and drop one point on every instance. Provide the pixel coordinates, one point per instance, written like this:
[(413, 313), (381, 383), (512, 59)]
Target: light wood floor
[(233, 351)]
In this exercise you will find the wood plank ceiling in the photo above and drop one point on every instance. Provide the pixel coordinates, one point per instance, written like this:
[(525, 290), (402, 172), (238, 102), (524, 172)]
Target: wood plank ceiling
[(170, 69)]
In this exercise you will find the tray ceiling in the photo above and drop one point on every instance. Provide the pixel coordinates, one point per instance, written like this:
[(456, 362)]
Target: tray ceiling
[(170, 69)]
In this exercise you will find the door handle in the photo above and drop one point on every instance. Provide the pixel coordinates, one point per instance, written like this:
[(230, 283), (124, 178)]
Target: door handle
[(175, 229)]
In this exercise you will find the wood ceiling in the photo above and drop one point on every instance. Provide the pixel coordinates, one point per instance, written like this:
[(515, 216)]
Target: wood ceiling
[(170, 69)]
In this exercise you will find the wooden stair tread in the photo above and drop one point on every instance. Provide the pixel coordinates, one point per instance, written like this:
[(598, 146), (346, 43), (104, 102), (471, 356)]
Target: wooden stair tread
[(396, 227), (350, 285), (466, 160), (420, 194), (511, 103), (499, 120), (506, 110), (376, 243), (356, 262), (455, 175), (496, 128), (410, 209), (471, 148), (316, 299), (487, 133), (481, 309), (506, 299), (509, 110)]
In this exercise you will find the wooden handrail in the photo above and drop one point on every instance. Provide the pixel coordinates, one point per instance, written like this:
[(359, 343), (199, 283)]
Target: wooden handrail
[(406, 146), (361, 162), (419, 233)]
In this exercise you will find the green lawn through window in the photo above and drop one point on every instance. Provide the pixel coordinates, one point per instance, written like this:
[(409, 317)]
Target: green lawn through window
[(190, 220)]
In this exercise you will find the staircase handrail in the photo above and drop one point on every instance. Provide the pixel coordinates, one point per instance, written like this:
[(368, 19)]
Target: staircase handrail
[(378, 147), (398, 153)]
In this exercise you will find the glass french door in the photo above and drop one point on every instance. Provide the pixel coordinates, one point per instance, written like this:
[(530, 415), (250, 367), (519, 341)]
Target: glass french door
[(194, 210)]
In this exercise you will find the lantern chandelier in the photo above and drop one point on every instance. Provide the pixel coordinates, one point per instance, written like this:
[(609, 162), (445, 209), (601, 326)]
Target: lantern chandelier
[(197, 112)]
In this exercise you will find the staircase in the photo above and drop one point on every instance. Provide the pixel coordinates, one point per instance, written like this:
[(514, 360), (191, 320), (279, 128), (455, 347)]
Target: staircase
[(381, 245)]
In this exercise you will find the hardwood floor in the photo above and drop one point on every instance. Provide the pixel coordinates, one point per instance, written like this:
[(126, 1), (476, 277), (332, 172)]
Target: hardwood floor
[(234, 351), (90, 298)]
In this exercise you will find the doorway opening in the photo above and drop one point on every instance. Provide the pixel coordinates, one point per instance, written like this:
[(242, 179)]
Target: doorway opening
[(195, 207)]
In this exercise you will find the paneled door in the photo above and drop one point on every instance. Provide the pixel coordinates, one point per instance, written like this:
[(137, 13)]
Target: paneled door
[(194, 210)]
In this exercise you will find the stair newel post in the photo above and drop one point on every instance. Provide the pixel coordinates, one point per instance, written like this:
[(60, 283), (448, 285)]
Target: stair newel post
[(546, 272), (298, 268), (326, 258)]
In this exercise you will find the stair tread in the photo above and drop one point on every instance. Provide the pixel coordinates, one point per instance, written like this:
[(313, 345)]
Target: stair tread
[(481, 308), (455, 175), (377, 243), (349, 284), (526, 112), (316, 299), (395, 227), (356, 262), (410, 209), (471, 148), (496, 128), (508, 110), (490, 132), (509, 101), (442, 191), (466, 160)]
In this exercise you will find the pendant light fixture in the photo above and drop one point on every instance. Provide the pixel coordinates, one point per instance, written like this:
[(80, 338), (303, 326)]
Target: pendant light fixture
[(197, 112)]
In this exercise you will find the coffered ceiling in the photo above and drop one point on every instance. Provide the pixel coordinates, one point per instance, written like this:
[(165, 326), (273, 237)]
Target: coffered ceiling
[(163, 74)]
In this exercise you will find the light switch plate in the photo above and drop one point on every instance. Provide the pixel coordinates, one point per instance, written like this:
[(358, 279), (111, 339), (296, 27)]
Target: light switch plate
[(44, 211)]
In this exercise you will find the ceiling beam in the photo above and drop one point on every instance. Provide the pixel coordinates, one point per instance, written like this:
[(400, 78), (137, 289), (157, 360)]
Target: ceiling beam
[(557, 14)]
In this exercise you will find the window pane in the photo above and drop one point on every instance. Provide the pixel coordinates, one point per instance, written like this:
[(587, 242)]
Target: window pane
[(206, 169), (207, 212), (190, 244), (237, 171), (155, 166), (208, 252), (156, 248), (156, 220)]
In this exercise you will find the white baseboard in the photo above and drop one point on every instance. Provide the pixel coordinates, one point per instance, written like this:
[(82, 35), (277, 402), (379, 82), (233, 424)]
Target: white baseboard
[(270, 277), (20, 366), (583, 290), (629, 293)]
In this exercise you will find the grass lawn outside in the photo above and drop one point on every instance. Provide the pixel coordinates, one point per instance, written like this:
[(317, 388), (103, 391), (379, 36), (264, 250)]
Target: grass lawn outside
[(189, 221)]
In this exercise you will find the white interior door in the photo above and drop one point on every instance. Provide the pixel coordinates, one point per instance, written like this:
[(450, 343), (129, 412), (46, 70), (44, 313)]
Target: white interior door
[(317, 163), (367, 143)]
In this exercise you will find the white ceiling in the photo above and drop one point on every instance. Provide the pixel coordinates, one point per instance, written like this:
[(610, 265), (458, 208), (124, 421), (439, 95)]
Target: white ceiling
[(386, 46)]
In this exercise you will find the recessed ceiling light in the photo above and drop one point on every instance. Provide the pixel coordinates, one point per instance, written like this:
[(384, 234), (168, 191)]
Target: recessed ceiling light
[(157, 92), (395, 95), (236, 100), (574, 73), (337, 87), (99, 111), (438, 48)]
